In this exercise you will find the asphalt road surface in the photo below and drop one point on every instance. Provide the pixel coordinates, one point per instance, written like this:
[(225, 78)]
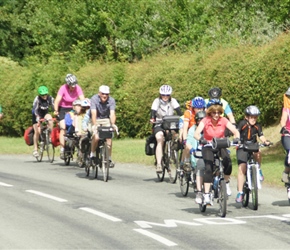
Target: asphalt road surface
[(53, 206)]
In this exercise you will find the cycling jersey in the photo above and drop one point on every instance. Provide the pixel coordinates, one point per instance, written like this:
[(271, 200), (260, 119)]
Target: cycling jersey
[(210, 131), (40, 106), (249, 132), (103, 109), (162, 108), (189, 115), (69, 96)]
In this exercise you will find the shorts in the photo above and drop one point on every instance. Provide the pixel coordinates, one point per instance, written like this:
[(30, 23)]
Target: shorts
[(102, 122), (62, 111), (242, 156)]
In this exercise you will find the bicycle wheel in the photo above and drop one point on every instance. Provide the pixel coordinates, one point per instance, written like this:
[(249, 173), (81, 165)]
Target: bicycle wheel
[(222, 198), (105, 162), (173, 165), (41, 149), (67, 154), (49, 148), (254, 189), (183, 182), (246, 192), (162, 174)]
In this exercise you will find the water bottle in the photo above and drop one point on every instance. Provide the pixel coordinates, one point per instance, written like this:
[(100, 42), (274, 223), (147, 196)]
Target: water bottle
[(215, 182)]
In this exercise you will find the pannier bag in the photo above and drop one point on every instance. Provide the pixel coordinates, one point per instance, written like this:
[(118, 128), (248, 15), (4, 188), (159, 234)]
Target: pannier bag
[(28, 136), (220, 143), (170, 122), (54, 136), (250, 146), (150, 145), (105, 132)]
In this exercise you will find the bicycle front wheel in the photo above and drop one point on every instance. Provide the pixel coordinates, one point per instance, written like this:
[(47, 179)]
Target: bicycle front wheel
[(41, 149), (222, 198), (161, 175), (183, 182), (254, 189), (173, 166), (105, 162), (246, 192)]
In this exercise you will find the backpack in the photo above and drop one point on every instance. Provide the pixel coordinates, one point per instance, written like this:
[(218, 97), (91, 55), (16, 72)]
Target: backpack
[(150, 145), (28, 136), (54, 136)]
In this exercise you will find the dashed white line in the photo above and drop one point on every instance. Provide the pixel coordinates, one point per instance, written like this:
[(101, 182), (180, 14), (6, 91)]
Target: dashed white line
[(5, 184), (101, 214), (156, 237), (46, 195)]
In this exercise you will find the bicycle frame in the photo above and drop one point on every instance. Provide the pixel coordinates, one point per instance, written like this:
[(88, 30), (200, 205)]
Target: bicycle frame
[(250, 163)]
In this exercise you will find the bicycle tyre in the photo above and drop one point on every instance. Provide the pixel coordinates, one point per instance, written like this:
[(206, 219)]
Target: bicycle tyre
[(202, 208), (183, 183), (222, 198), (49, 147), (246, 192), (173, 166), (105, 162), (254, 189), (67, 155), (161, 175), (41, 149)]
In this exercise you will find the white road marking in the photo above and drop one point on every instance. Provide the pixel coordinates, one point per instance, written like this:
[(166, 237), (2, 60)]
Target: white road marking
[(266, 216), (220, 221), (5, 184), (46, 195), (156, 237), (95, 212), (167, 223)]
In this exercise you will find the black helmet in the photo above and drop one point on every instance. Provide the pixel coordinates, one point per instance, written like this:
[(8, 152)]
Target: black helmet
[(252, 110), (199, 115), (215, 93)]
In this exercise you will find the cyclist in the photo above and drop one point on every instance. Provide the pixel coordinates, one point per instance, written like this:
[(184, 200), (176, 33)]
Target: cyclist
[(249, 130), (197, 104), (192, 146), (285, 137), (1, 113), (40, 107), (67, 93), (214, 125), (162, 106), (102, 110)]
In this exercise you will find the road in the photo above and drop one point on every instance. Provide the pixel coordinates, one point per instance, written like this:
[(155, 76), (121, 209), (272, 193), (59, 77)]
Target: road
[(53, 206)]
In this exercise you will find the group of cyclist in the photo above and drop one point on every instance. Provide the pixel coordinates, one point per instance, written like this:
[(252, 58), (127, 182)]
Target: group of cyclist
[(76, 114), (202, 121)]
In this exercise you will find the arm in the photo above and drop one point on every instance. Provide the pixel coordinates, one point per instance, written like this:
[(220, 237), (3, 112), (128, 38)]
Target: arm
[(81, 97), (199, 129), (283, 119), (112, 117), (185, 129), (231, 118), (56, 103), (233, 129), (264, 140), (94, 116), (178, 111)]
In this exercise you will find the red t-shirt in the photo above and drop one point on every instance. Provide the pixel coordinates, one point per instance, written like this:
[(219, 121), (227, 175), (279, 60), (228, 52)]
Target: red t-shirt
[(210, 131)]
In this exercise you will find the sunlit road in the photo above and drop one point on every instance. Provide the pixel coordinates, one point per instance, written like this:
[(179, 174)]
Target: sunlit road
[(53, 206)]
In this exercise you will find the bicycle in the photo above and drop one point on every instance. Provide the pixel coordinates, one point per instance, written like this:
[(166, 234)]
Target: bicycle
[(187, 178), (170, 159), (287, 185), (71, 142), (252, 182), (218, 188), (102, 151), (45, 141)]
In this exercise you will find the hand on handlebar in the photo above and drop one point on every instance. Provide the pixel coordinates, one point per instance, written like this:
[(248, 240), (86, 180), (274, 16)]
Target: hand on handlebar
[(203, 141), (152, 120), (284, 131)]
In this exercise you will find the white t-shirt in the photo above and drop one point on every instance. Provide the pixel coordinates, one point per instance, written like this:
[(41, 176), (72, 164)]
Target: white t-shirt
[(164, 108)]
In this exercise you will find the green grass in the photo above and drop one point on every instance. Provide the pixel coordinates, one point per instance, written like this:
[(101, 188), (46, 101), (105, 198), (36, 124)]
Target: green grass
[(133, 151)]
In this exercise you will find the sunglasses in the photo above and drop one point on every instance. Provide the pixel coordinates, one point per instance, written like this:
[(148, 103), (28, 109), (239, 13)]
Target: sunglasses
[(216, 113), (43, 95), (104, 94), (165, 95)]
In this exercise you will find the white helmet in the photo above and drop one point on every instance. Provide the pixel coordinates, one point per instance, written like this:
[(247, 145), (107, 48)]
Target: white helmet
[(104, 89), (165, 90), (86, 103), (77, 102), (71, 80)]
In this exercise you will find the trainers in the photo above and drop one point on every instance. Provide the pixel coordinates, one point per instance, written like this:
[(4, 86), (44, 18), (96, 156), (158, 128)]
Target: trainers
[(158, 168), (35, 154), (111, 164), (261, 175), (93, 160), (198, 198), (207, 199), (62, 155), (285, 177), (229, 191), (240, 197)]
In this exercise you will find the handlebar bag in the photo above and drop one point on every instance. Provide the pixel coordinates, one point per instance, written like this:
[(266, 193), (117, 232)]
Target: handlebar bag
[(250, 146), (170, 122), (220, 143), (105, 132)]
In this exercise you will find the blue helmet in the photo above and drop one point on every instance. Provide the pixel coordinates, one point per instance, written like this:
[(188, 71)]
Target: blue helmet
[(198, 102), (214, 102)]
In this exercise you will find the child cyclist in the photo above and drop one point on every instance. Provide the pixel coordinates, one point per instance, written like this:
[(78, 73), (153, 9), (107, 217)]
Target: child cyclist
[(249, 130), (192, 146)]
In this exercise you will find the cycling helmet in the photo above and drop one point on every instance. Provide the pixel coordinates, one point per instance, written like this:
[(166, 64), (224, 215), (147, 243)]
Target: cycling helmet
[(200, 115), (214, 102), (42, 90), (214, 93), (77, 102), (187, 104), (85, 103), (252, 110), (165, 90), (104, 89), (71, 80), (198, 102)]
